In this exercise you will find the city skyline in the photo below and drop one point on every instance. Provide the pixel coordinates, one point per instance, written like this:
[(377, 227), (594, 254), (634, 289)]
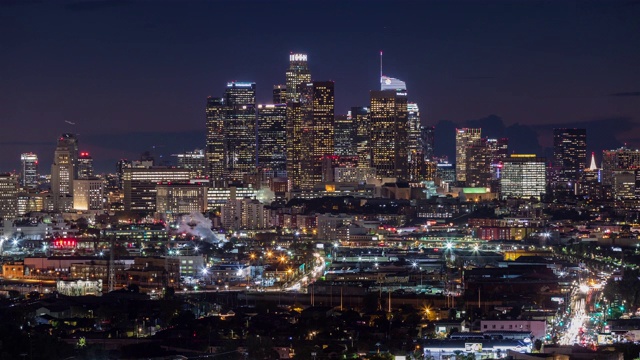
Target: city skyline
[(122, 99)]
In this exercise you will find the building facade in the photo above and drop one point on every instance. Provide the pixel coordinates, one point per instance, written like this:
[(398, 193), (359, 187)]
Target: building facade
[(464, 138), (388, 133), (523, 176)]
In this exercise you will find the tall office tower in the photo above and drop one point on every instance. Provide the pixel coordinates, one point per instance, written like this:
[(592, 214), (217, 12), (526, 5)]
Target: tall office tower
[(88, 194), (298, 73), (64, 168), (523, 176), (618, 159), (344, 135), (317, 114), (8, 196), (569, 153), (279, 94), (389, 133), (240, 130), (478, 165), (499, 150), (85, 166), (428, 140), (362, 123), (215, 151), (272, 138), (29, 175), (194, 160), (120, 166), (140, 185), (464, 137), (415, 146)]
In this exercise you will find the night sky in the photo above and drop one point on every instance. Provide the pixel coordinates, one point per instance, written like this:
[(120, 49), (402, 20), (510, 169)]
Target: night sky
[(134, 75)]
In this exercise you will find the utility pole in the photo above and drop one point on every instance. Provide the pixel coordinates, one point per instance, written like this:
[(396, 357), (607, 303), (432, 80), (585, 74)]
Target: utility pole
[(112, 270)]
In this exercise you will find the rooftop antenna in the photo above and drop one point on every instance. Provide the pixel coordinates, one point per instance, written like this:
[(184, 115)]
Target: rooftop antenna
[(380, 65)]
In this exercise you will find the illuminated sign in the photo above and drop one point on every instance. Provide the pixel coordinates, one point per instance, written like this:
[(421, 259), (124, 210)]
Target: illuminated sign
[(298, 57), (64, 243)]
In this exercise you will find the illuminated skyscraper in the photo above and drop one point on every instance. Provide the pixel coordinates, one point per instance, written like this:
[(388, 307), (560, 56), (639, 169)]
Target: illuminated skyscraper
[(415, 146), (240, 130), (464, 138), (140, 185), (478, 165), (317, 114), (29, 175), (8, 196), (64, 168), (193, 160), (618, 159), (215, 152), (523, 176), (272, 138), (569, 153), (344, 135), (298, 73), (389, 133), (85, 166), (362, 123)]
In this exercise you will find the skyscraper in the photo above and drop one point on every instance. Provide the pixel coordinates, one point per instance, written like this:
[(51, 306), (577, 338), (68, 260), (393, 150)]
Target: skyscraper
[(215, 152), (85, 166), (29, 175), (64, 168), (8, 196), (478, 165), (428, 140), (523, 176), (297, 73), (415, 147), (388, 119), (272, 137), (618, 159), (569, 153), (464, 137), (240, 130), (140, 185), (344, 135), (193, 160), (317, 114), (362, 123)]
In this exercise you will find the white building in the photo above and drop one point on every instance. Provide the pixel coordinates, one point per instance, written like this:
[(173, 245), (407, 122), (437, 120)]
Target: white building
[(523, 176), (88, 194)]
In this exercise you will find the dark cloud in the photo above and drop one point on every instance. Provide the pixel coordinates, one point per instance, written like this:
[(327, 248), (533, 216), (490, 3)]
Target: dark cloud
[(29, 143), (626, 94)]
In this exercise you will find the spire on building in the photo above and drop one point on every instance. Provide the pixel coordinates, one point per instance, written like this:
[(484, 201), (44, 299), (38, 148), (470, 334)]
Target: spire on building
[(593, 166)]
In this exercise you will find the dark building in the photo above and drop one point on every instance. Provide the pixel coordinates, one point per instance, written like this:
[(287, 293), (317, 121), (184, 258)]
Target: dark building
[(272, 138), (279, 94), (215, 139), (344, 135), (85, 166), (569, 153)]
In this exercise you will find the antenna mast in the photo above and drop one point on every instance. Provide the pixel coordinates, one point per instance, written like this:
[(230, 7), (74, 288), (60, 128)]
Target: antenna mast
[(380, 65)]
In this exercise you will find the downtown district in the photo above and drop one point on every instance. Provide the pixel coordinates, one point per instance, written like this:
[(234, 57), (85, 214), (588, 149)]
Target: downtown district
[(296, 232)]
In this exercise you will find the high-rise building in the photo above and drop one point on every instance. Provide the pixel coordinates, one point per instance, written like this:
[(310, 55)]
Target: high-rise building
[(64, 168), (29, 175), (317, 113), (388, 121), (344, 135), (498, 150), (120, 166), (140, 185), (523, 176), (428, 141), (362, 123), (88, 194), (478, 165), (176, 199), (618, 159), (464, 137), (569, 153), (272, 138), (85, 166), (415, 146), (215, 151), (297, 73), (8, 196), (193, 160), (240, 130), (279, 94)]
